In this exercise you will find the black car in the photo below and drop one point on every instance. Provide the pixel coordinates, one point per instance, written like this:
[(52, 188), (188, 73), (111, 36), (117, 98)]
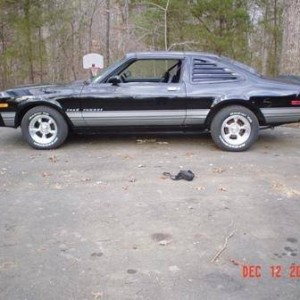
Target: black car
[(156, 91)]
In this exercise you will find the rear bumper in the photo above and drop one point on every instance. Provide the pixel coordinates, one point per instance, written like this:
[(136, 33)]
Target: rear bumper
[(281, 115)]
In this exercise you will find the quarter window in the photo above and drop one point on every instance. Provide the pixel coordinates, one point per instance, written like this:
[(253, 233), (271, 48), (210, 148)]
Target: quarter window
[(205, 71)]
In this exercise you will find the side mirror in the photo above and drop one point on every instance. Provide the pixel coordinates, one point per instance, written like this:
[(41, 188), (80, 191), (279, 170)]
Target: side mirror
[(115, 80)]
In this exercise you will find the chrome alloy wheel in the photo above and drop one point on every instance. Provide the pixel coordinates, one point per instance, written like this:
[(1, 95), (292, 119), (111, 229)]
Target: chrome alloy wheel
[(43, 129), (236, 129)]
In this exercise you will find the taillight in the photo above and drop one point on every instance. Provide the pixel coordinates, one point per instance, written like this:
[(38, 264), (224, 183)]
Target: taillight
[(295, 102)]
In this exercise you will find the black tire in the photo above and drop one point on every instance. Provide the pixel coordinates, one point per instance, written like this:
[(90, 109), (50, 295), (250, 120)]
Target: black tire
[(234, 128), (44, 128)]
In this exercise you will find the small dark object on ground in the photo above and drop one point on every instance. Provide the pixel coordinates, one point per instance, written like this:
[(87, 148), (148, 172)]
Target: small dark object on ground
[(183, 174)]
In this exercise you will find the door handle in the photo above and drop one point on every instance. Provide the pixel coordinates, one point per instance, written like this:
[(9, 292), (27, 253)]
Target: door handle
[(173, 88)]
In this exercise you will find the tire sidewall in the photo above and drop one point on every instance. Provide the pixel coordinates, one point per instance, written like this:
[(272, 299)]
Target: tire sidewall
[(222, 115), (49, 112)]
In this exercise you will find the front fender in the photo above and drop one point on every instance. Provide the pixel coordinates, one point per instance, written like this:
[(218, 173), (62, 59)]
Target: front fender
[(25, 103)]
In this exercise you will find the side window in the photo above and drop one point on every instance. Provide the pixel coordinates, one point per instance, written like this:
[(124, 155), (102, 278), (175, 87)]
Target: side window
[(204, 71), (151, 70)]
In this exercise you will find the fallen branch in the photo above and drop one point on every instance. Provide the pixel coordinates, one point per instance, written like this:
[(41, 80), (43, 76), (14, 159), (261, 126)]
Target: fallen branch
[(183, 44), (224, 247)]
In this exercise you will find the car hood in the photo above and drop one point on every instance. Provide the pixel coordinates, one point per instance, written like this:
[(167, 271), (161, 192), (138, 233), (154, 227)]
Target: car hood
[(42, 89)]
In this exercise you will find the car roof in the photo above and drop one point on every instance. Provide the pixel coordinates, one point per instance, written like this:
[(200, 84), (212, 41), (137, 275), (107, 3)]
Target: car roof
[(169, 54), (200, 55)]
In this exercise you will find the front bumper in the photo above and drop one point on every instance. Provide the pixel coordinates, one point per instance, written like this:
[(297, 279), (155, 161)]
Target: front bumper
[(1, 121), (7, 119)]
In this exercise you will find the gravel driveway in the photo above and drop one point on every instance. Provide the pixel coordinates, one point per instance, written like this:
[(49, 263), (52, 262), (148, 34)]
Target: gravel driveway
[(96, 219)]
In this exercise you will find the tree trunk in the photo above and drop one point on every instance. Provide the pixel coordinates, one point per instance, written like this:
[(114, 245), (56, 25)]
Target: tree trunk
[(108, 32), (3, 65), (290, 56), (29, 38)]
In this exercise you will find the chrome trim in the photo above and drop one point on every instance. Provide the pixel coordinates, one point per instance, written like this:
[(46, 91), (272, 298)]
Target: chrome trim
[(281, 114), (8, 118)]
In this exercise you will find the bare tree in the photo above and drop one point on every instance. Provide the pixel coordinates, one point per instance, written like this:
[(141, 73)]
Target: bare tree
[(165, 11), (92, 15), (108, 31), (290, 56)]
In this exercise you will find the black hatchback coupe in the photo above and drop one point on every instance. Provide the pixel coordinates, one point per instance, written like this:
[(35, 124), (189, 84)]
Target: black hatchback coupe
[(156, 91)]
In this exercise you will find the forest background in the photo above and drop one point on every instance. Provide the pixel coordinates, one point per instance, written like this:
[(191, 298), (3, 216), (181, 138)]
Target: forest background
[(43, 41)]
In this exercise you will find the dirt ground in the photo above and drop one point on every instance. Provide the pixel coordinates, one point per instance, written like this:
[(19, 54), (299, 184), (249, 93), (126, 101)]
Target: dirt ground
[(96, 219)]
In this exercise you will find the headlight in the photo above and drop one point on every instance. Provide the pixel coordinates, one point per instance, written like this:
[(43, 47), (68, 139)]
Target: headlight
[(4, 95)]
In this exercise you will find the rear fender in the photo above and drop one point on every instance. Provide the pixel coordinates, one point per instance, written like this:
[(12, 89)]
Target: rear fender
[(246, 103)]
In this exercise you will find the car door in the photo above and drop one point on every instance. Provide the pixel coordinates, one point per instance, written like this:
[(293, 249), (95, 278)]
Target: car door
[(143, 97)]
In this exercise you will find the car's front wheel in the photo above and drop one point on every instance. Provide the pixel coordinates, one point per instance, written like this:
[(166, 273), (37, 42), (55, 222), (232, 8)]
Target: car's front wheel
[(44, 128), (234, 128)]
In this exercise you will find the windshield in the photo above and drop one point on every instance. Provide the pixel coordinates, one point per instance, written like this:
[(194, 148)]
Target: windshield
[(107, 70)]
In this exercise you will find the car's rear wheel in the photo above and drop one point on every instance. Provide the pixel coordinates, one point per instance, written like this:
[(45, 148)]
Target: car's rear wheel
[(44, 128), (234, 128)]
